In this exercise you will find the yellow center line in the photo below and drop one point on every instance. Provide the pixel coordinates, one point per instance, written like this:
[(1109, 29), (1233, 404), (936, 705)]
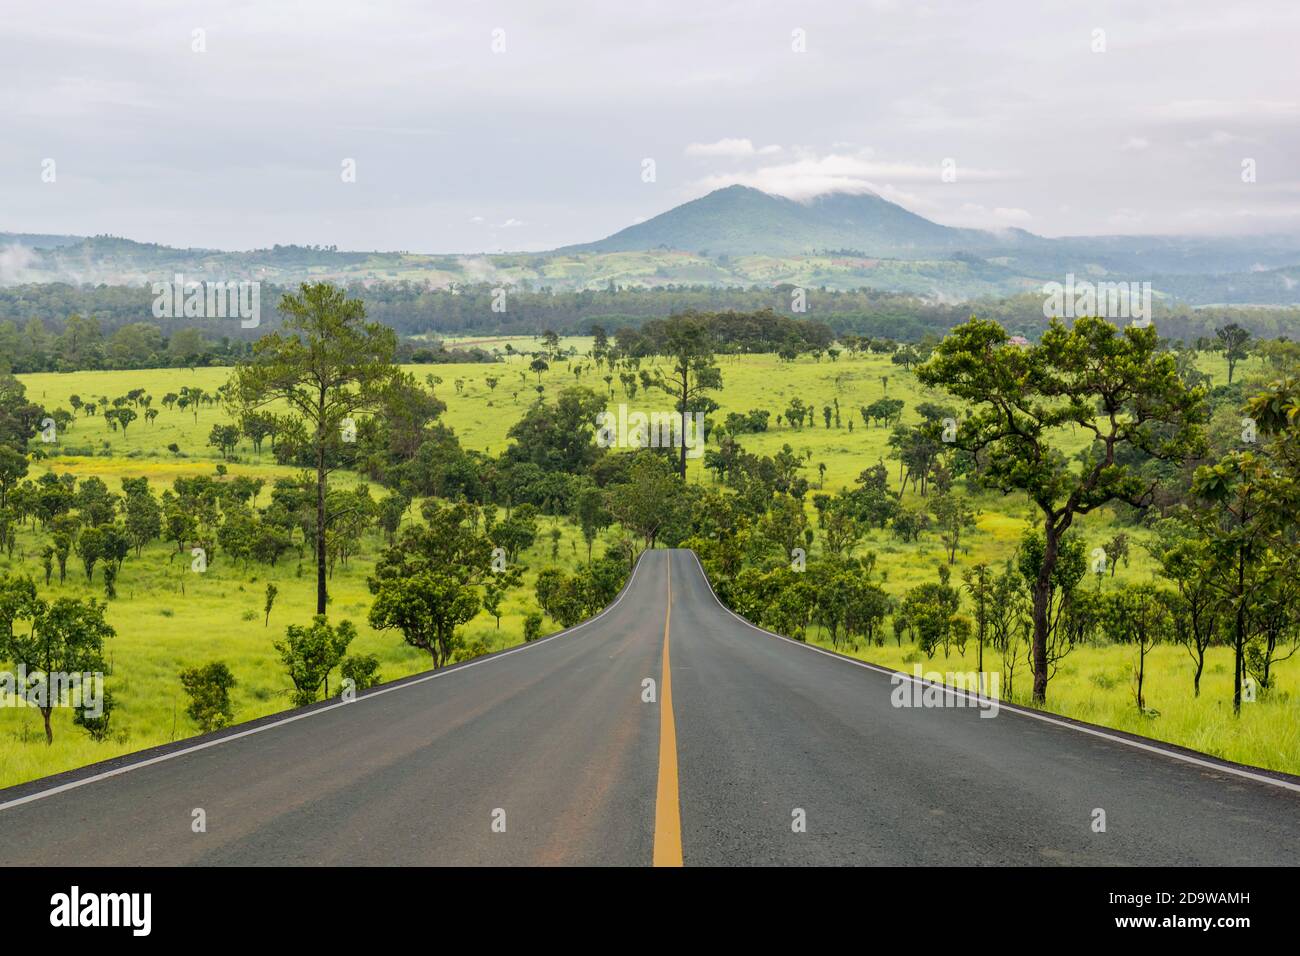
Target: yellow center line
[(668, 812)]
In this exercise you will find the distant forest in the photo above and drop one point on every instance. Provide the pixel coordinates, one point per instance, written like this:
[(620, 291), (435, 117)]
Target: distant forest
[(57, 326)]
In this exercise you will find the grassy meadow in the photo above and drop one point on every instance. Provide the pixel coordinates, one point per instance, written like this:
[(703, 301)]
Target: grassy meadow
[(168, 618)]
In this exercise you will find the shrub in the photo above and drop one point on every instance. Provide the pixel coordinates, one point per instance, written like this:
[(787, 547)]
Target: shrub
[(209, 690), (361, 669)]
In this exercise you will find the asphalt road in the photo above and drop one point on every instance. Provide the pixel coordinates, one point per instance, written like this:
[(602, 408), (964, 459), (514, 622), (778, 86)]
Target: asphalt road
[(754, 750)]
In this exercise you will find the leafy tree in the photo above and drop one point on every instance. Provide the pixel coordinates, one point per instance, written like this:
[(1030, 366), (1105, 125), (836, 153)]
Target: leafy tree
[(257, 427), (1116, 551), (929, 610), (90, 548), (886, 411), (122, 417), (20, 420), (143, 517), (310, 653), (18, 602), (1242, 504), (208, 688), (327, 364), (559, 436), (1117, 386), (95, 502), (1138, 614), (492, 597), (1277, 626), (224, 438), (426, 607), (687, 340), (1233, 342), (66, 637), (95, 719), (872, 502), (650, 499), (843, 530), (592, 513), (783, 525), (847, 602), (1196, 615), (8, 531), (909, 524), (61, 540), (391, 509), (515, 534), (952, 516), (13, 469)]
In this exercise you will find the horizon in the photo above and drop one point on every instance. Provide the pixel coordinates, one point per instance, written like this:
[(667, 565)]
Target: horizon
[(996, 230)]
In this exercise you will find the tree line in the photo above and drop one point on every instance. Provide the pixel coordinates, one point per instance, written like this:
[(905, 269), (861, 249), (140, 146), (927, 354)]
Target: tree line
[(63, 327)]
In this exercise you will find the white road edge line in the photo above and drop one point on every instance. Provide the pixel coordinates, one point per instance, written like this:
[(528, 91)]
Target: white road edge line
[(1152, 748), (161, 758)]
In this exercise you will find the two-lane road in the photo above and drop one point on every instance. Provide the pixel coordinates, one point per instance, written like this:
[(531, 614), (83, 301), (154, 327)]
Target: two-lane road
[(551, 754)]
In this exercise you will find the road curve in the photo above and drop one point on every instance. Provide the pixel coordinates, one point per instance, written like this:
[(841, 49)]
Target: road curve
[(753, 750)]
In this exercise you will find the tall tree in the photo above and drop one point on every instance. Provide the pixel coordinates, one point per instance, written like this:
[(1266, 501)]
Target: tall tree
[(1195, 603), (1233, 342), (1117, 385), (327, 365), (688, 341), (952, 516), (1138, 614), (979, 585), (1243, 502)]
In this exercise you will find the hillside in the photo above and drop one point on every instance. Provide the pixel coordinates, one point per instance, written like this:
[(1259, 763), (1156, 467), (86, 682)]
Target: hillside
[(740, 221), (35, 240)]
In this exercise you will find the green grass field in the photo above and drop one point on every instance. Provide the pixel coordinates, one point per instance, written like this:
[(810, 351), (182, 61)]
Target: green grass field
[(218, 615)]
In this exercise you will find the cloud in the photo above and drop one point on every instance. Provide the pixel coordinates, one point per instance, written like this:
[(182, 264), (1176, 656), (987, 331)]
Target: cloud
[(812, 175), (15, 260), (1135, 144), (726, 148), (1217, 138), (1250, 109), (978, 215), (478, 268), (1013, 214), (1126, 218)]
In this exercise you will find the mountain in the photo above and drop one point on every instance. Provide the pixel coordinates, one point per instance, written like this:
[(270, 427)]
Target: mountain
[(741, 221)]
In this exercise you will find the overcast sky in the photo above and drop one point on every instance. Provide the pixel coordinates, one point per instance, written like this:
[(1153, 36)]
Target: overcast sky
[(462, 148)]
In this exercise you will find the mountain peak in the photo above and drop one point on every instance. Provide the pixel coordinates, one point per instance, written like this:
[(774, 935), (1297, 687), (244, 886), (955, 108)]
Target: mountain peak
[(741, 220)]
